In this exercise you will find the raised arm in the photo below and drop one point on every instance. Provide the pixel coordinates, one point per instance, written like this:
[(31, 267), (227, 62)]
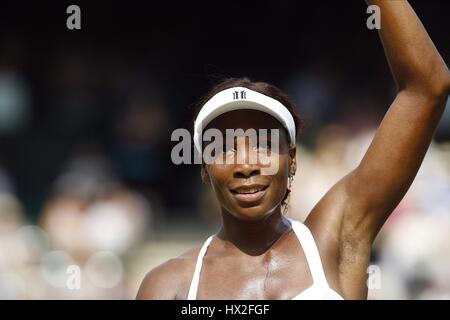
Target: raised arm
[(390, 164), (347, 219)]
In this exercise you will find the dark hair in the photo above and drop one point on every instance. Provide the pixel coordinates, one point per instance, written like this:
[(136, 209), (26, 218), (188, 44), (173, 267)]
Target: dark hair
[(261, 87)]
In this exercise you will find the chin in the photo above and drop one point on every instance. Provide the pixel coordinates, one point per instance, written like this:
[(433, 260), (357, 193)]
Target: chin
[(255, 213)]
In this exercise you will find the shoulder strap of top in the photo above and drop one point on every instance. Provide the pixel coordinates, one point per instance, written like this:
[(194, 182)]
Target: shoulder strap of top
[(311, 252), (192, 295)]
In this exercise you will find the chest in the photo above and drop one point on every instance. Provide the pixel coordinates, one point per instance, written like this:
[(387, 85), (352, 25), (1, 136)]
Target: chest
[(280, 276)]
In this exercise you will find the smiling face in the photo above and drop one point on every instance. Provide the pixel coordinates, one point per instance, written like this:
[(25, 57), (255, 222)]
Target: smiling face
[(241, 187)]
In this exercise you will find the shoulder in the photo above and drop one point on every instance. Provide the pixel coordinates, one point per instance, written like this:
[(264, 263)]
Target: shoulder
[(171, 279)]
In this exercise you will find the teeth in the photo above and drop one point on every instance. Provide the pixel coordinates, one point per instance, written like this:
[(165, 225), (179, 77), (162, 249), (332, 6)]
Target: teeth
[(249, 191)]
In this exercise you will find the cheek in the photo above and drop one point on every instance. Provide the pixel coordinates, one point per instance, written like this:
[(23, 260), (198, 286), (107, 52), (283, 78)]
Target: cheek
[(219, 175), (279, 179)]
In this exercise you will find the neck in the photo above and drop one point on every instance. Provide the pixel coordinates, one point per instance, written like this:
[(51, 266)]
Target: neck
[(253, 237)]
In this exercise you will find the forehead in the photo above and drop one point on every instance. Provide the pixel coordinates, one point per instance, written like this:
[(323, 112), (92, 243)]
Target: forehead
[(245, 119)]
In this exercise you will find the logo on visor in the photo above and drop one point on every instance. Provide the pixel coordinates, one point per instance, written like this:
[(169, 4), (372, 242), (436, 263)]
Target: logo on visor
[(243, 95)]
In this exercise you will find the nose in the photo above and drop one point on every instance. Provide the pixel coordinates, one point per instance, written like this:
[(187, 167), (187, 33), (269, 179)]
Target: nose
[(246, 170), (247, 163)]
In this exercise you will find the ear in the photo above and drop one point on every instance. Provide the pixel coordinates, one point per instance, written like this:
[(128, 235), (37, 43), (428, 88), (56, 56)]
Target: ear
[(292, 160), (204, 174)]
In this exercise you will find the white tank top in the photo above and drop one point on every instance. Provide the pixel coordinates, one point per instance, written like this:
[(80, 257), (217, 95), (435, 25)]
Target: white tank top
[(319, 290)]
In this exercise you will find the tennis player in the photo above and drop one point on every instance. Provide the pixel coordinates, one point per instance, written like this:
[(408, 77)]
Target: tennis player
[(260, 253)]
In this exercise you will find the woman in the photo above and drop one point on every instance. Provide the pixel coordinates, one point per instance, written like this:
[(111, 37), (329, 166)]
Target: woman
[(261, 254)]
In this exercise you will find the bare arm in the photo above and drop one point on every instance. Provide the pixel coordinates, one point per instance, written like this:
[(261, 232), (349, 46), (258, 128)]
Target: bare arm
[(388, 168), (347, 219)]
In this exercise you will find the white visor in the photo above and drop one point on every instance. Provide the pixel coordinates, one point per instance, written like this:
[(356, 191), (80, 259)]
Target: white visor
[(241, 98)]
